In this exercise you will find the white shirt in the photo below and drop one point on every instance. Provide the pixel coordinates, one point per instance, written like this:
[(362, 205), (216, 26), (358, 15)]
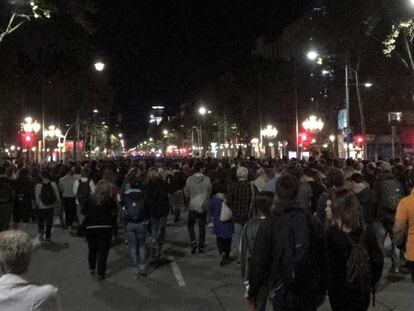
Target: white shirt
[(17, 294)]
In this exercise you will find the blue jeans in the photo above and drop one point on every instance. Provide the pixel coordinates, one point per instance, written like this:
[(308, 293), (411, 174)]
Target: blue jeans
[(136, 234), (382, 232), (158, 232), (238, 228)]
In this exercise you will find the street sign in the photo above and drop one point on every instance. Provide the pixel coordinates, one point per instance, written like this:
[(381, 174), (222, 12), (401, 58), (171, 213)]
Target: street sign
[(348, 135)]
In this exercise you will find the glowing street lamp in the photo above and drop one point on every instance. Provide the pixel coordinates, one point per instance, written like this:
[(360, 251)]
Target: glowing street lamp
[(313, 124), (99, 66), (312, 55), (270, 132), (369, 84), (165, 132), (202, 111), (332, 138)]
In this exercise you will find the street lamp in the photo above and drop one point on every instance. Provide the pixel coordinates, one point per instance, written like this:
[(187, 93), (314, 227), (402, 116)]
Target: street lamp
[(54, 133), (30, 127), (99, 66), (270, 132), (313, 124), (332, 138), (370, 84), (165, 132), (312, 55), (202, 111), (95, 111)]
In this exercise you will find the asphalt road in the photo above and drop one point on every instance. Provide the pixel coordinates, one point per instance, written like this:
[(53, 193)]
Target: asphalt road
[(178, 281)]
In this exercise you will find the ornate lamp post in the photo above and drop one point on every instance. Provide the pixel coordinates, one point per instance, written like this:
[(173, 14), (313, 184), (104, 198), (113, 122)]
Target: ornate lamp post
[(30, 129), (270, 132), (54, 133), (313, 124)]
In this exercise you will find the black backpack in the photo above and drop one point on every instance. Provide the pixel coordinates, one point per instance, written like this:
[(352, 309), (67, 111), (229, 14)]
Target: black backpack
[(392, 192), (134, 210), (83, 193), (47, 194), (6, 191), (358, 268), (295, 272)]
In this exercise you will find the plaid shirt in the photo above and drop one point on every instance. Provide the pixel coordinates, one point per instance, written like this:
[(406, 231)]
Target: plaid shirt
[(238, 200)]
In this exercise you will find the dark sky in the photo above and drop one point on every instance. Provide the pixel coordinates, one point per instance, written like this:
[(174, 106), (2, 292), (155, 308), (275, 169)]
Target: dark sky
[(162, 51)]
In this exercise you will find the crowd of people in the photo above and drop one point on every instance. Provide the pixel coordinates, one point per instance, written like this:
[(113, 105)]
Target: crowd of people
[(299, 230)]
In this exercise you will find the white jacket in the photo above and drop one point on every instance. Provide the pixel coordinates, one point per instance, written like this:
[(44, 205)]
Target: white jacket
[(17, 294)]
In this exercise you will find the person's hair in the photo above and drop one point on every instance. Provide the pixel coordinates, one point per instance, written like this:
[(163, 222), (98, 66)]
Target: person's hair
[(153, 173), (287, 187), (198, 166), (15, 252), (85, 172), (134, 182), (336, 178), (357, 178), (264, 201), (45, 174), (348, 210), (242, 173), (108, 175), (102, 191), (23, 173)]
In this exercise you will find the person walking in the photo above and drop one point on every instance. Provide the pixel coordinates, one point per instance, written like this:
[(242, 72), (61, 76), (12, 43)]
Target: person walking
[(239, 200), (176, 183), (47, 200), (24, 197), (156, 200), (18, 294), (354, 255), (197, 191), (6, 199), (66, 184), (99, 223), (288, 255), (135, 216), (83, 189)]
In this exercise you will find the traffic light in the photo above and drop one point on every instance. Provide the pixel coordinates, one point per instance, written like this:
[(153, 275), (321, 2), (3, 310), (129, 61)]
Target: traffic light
[(27, 139), (305, 138), (359, 140)]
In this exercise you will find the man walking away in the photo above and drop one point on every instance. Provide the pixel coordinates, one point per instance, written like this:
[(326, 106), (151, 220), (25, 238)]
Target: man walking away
[(83, 190), (47, 199), (6, 199), (288, 254), (388, 192), (176, 183), (197, 191), (68, 198), (239, 199)]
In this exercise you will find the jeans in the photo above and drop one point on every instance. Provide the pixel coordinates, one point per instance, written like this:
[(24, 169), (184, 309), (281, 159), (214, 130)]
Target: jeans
[(46, 215), (5, 215), (410, 265), (136, 234), (69, 205), (99, 243), (158, 232), (238, 228), (193, 216), (382, 232), (224, 246)]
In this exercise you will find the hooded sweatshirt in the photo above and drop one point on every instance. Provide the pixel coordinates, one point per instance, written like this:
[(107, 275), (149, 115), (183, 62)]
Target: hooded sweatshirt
[(365, 197), (197, 191)]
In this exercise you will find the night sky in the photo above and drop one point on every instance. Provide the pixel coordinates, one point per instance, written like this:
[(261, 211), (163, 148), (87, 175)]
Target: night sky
[(164, 52)]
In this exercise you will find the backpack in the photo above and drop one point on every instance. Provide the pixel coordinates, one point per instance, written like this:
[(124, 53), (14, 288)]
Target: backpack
[(134, 209), (83, 193), (6, 191), (358, 268), (296, 272), (392, 192), (47, 194)]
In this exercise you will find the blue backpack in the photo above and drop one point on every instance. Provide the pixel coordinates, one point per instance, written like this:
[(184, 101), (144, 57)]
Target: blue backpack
[(134, 209)]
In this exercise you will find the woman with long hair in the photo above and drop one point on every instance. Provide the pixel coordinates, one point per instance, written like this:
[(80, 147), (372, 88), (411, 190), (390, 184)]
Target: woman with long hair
[(99, 223), (346, 237), (156, 201)]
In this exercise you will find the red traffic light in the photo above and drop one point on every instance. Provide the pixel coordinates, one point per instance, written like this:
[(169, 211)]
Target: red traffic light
[(27, 139), (359, 139)]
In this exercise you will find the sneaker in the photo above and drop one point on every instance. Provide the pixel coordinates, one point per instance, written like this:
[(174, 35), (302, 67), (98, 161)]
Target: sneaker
[(142, 273), (92, 271), (101, 277), (194, 248), (222, 260), (201, 250), (210, 225), (47, 240)]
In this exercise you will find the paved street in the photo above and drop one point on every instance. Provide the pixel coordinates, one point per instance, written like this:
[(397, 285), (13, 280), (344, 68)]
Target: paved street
[(179, 281)]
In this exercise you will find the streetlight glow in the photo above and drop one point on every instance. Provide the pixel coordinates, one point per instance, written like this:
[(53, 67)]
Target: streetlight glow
[(370, 84), (332, 138), (99, 66), (95, 111), (270, 132), (165, 132), (312, 55), (202, 110), (313, 124)]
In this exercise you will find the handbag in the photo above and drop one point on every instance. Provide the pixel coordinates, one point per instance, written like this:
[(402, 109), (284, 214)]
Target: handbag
[(225, 214)]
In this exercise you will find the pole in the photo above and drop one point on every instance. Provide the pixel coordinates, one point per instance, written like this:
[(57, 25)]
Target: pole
[(361, 113), (393, 134), (347, 103), (296, 108)]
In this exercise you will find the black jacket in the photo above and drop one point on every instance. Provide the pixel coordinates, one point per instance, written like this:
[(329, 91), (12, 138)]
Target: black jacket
[(339, 249), (101, 215), (264, 261), (156, 198)]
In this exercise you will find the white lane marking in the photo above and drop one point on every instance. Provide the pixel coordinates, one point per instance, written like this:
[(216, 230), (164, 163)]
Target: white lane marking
[(177, 273)]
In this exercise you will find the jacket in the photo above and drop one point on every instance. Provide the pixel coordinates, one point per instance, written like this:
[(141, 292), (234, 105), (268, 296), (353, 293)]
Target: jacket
[(38, 192), (156, 198), (17, 294), (101, 216), (339, 249), (197, 191), (239, 201), (365, 197)]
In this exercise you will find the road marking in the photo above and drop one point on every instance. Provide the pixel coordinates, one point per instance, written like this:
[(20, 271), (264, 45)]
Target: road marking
[(177, 273)]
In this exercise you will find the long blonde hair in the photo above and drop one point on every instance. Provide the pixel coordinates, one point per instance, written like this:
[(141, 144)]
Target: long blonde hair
[(103, 191)]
